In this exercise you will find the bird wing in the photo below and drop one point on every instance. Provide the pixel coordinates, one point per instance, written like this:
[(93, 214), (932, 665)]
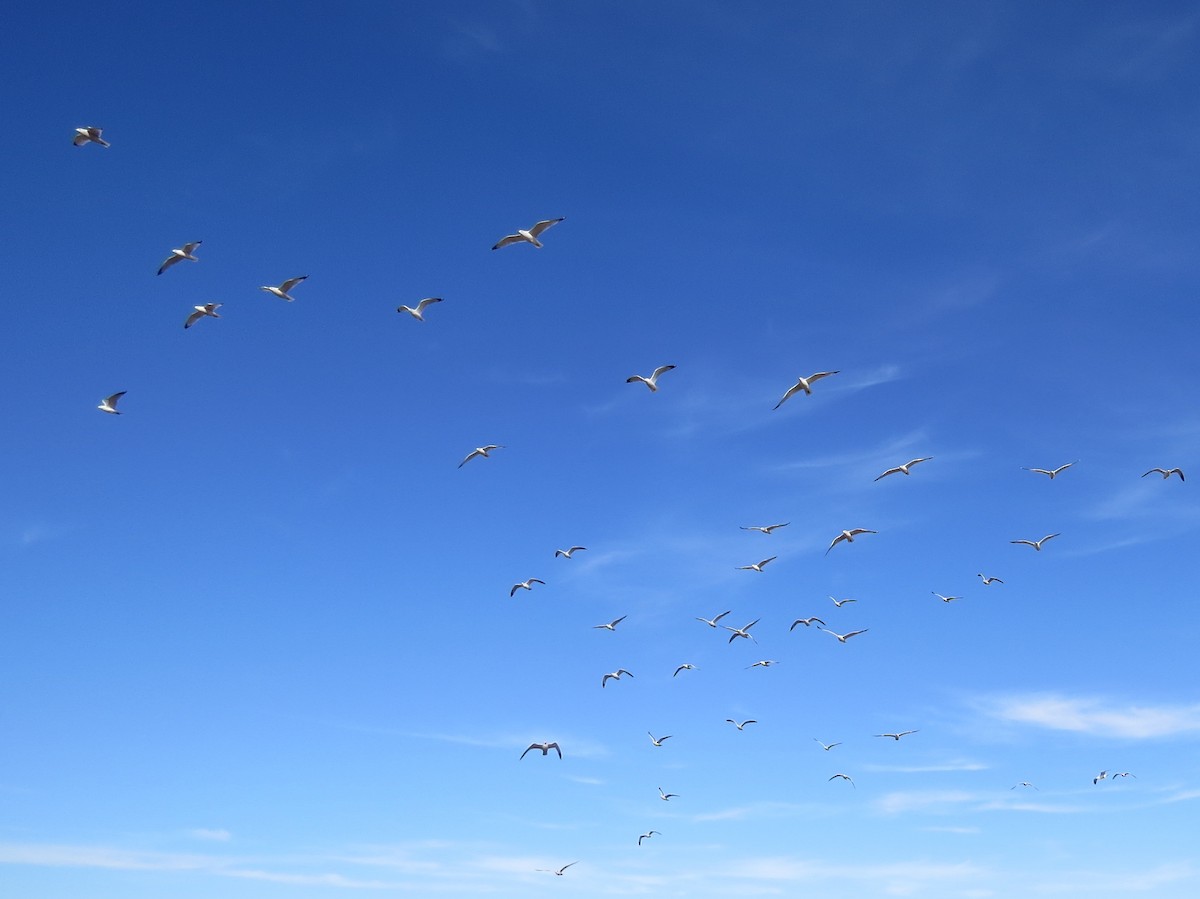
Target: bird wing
[(513, 591), (531, 746), (854, 532), (537, 229), (470, 456), (856, 633), (819, 375), (427, 301), (660, 370), (291, 282), (888, 472), (534, 580), (619, 620), (1026, 542), (1039, 470), (722, 615), (915, 461), (112, 400), (765, 561), (80, 139), (168, 262), (1049, 537), (509, 239), (623, 671), (193, 318), (790, 391), (189, 247), (555, 747)]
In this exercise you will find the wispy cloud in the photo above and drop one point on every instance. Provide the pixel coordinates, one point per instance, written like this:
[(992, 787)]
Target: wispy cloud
[(212, 835), (754, 810), (954, 765), (901, 801), (1097, 716)]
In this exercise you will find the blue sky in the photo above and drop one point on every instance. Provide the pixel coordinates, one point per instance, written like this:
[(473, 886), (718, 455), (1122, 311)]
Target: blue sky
[(258, 639)]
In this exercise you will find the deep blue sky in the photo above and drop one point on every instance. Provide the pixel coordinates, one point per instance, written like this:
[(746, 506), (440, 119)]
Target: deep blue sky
[(257, 633)]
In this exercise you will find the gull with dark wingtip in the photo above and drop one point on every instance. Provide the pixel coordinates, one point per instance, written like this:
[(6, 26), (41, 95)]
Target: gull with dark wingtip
[(544, 747), (903, 469), (530, 235), (804, 384)]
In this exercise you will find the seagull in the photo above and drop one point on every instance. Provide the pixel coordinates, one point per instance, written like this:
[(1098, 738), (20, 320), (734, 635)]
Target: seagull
[(658, 741), (843, 777), (904, 469), (841, 602), (1122, 774), (896, 737), (767, 529), (109, 403), (652, 381), (1055, 472), (988, 581), (842, 638), (848, 536), (89, 134), (612, 625), (209, 309), (743, 724), (545, 747), (684, 667), (826, 746), (1036, 544), (418, 312), (944, 598), (566, 553), (479, 451), (1167, 472), (530, 236), (1099, 777), (807, 622), (616, 675), (1023, 783), (526, 584), (282, 290), (647, 836), (757, 566), (666, 797), (762, 663), (559, 872), (712, 622), (804, 384), (741, 631), (179, 254)]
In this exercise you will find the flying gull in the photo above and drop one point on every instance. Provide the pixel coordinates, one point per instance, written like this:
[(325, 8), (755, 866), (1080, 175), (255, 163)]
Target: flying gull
[(530, 236), (544, 747), (480, 451), (187, 251), (526, 584), (89, 134), (418, 312), (767, 529), (904, 469), (1052, 473), (109, 403), (209, 309), (848, 536), (1036, 544), (615, 675), (804, 384), (282, 290), (1166, 472), (652, 381)]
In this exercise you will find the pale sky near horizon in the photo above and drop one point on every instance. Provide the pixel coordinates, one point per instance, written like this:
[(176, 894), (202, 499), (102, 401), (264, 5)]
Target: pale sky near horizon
[(258, 638)]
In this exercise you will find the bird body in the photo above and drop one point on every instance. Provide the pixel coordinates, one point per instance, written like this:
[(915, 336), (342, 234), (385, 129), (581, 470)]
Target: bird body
[(526, 584), (1099, 777), (529, 235), (282, 290), (109, 403), (480, 451), (767, 529), (208, 309), (179, 254), (762, 663), (757, 566), (848, 536), (1166, 472), (804, 384), (1052, 473), (741, 631), (843, 777), (1036, 544), (904, 469), (544, 747), (841, 602), (652, 381), (418, 311), (615, 675), (842, 638), (1023, 783), (89, 134)]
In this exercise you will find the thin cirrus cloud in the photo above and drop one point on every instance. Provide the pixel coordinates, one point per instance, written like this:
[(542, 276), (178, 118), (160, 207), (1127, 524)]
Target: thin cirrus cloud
[(1092, 715)]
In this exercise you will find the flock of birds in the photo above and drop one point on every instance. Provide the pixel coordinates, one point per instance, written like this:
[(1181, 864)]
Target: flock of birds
[(187, 253)]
